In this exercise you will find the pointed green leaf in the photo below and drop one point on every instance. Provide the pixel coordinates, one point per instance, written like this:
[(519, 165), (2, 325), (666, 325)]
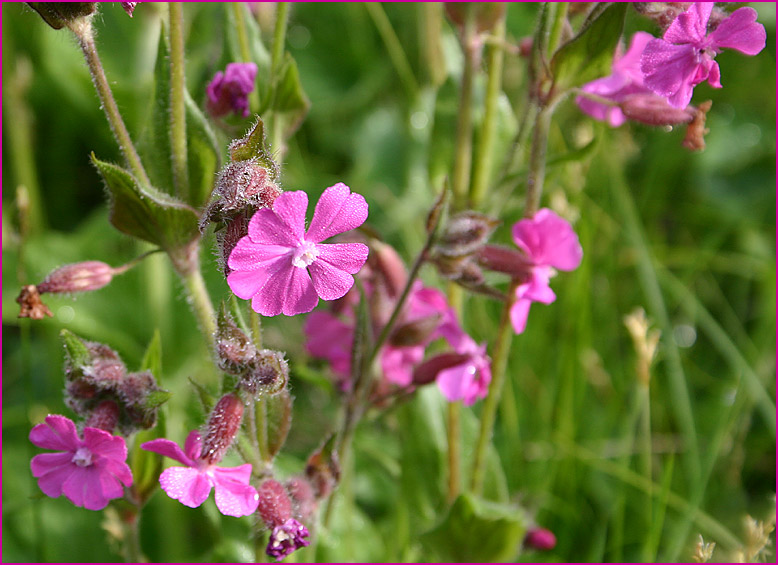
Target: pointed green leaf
[(146, 213), (253, 145), (589, 54), (476, 530), (152, 358), (156, 399), (279, 420), (75, 349)]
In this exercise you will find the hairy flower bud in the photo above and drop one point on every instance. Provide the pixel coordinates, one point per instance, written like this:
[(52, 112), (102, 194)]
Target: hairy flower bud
[(275, 506), (654, 110), (466, 233), (223, 425), (427, 371), (504, 260), (105, 416), (415, 332), (388, 267), (302, 496), (235, 351), (663, 13), (323, 470), (268, 373), (60, 14), (77, 277)]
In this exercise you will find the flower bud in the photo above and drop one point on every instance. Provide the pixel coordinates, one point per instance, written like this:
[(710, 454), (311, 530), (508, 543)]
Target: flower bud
[(105, 416), (32, 306), (228, 237), (253, 145), (223, 425), (77, 277), (466, 233), (234, 349), (427, 371), (654, 110), (268, 374), (415, 332), (486, 13), (140, 398), (504, 260), (129, 7), (60, 14), (323, 470), (388, 267), (540, 538), (242, 186), (274, 507), (302, 496), (663, 13)]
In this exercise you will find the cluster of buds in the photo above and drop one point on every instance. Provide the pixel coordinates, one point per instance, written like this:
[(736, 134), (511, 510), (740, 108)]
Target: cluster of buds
[(662, 13), (457, 253), (69, 279), (63, 14), (245, 184), (275, 508), (99, 388), (259, 371)]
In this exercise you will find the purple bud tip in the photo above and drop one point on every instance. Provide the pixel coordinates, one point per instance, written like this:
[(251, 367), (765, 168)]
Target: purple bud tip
[(286, 538), (541, 539)]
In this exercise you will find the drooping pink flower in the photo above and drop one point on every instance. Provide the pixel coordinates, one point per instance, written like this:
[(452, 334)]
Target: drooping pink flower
[(229, 91), (684, 57), (626, 79), (397, 363), (192, 484), (88, 471), (550, 243), (285, 269), (468, 380)]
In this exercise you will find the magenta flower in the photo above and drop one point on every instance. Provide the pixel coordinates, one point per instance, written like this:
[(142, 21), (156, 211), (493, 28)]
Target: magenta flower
[(684, 57), (192, 484), (129, 7), (285, 269), (397, 363), (469, 379), (229, 91), (330, 338), (89, 471), (626, 79), (549, 242), (286, 538)]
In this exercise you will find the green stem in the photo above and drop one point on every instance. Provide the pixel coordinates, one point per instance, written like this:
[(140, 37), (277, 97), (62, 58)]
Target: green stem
[(486, 150), (557, 25), (132, 549), (238, 11), (393, 46), (279, 36), (500, 353), (177, 95), (645, 450), (537, 161), (82, 28), (201, 303), (463, 152), (454, 433)]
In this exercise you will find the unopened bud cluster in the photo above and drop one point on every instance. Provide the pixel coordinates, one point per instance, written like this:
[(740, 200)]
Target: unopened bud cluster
[(99, 388), (259, 371)]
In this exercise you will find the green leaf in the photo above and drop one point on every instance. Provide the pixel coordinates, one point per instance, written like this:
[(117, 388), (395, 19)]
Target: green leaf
[(476, 530), (206, 398), (75, 349), (279, 420), (589, 54), (288, 96), (152, 358), (146, 213), (203, 153), (156, 399)]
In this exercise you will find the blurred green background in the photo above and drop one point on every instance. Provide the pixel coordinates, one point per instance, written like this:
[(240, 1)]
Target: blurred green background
[(689, 237)]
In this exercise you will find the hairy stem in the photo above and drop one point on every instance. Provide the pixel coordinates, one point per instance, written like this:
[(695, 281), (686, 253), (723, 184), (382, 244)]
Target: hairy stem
[(502, 347), (82, 28), (460, 180), (238, 12), (537, 161), (200, 301), (279, 36), (485, 153), (177, 107)]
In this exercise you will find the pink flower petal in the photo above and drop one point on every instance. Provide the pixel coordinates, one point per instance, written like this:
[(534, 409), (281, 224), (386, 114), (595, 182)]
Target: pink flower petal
[(348, 257), (327, 337), (397, 363), (250, 256), (58, 433), (548, 240), (234, 496), (628, 66), (266, 227), (193, 445), (246, 283), (115, 469), (741, 32), (454, 381), (98, 489), (338, 210), (519, 314), (168, 449), (51, 481), (100, 442), (187, 485), (290, 291), (75, 485), (48, 462), (329, 281), (537, 288), (690, 26)]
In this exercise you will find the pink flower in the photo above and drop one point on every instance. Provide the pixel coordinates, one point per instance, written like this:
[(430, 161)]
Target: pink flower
[(330, 338), (286, 538), (285, 269), (192, 484), (129, 7), (549, 242), (397, 363), (683, 58), (469, 379), (625, 80), (89, 471), (229, 91)]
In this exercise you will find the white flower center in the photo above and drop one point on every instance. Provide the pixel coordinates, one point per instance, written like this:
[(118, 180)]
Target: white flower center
[(82, 457), (305, 254)]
